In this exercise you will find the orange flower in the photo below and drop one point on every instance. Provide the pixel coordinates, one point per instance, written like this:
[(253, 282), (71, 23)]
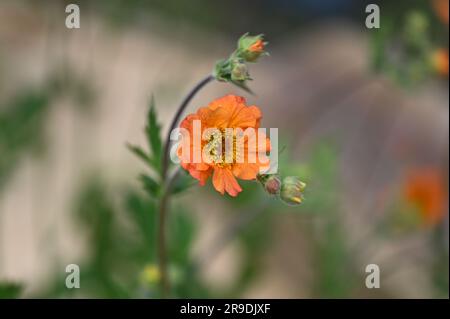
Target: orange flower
[(440, 61), (257, 47), (441, 9), (223, 114), (425, 189)]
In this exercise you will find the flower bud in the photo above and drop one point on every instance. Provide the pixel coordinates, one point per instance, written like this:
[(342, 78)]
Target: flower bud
[(239, 71), (270, 182), (233, 69), (250, 48), (292, 190)]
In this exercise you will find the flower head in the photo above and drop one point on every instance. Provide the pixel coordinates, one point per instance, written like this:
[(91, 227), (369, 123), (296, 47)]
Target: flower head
[(425, 190), (250, 48), (225, 134)]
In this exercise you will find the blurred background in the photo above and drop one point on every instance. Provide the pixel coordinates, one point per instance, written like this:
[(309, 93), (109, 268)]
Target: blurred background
[(362, 113)]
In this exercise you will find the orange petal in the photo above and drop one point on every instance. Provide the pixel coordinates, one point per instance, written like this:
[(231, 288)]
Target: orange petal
[(245, 171), (201, 176), (224, 181), (227, 101), (187, 122), (246, 116), (201, 166), (231, 111)]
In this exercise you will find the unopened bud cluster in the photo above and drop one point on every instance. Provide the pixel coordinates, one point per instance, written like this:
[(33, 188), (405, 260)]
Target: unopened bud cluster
[(234, 69), (290, 190)]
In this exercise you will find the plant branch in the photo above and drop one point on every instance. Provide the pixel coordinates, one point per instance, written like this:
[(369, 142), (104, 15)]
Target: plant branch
[(165, 196), (162, 251)]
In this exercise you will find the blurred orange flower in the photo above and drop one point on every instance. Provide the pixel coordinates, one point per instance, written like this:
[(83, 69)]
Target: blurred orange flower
[(228, 112), (440, 61), (441, 8), (425, 189)]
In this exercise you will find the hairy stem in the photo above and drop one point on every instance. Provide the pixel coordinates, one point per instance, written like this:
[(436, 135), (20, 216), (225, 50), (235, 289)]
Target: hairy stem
[(167, 183)]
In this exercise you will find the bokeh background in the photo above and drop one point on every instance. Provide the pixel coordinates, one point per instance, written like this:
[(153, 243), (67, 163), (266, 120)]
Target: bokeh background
[(362, 113)]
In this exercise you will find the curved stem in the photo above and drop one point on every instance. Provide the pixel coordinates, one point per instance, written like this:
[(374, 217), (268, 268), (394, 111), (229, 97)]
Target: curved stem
[(164, 200), (183, 105)]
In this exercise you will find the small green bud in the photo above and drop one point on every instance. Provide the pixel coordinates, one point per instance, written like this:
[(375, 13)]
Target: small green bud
[(221, 71), (239, 71), (250, 48), (292, 190)]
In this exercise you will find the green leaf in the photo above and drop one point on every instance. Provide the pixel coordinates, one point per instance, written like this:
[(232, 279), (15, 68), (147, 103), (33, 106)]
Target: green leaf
[(150, 185), (140, 153), (9, 290), (182, 183), (153, 132)]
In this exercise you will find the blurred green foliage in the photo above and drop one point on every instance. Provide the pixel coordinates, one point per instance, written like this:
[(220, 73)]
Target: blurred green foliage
[(21, 128), (403, 46), (23, 117), (119, 228), (9, 290), (120, 231), (334, 275), (213, 16), (440, 264)]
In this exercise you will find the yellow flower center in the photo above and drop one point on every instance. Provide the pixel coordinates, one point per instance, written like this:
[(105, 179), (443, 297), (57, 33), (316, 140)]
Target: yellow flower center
[(222, 148)]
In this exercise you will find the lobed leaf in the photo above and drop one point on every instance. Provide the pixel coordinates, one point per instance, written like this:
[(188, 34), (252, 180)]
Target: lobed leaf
[(153, 132), (140, 153), (150, 185)]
